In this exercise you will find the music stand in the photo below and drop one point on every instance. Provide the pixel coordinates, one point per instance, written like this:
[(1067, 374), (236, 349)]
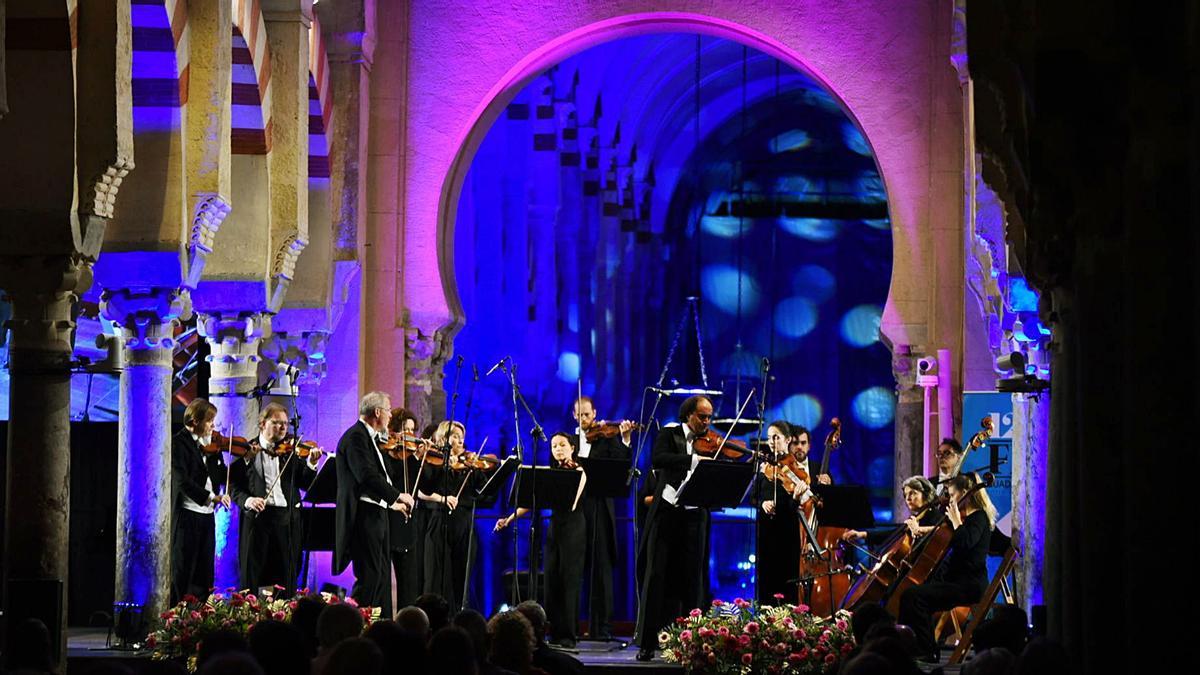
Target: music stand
[(845, 506), (490, 491), (542, 487), (323, 488), (716, 484), (606, 477)]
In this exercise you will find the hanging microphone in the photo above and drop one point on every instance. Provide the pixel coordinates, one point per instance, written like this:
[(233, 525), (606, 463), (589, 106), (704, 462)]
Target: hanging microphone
[(493, 368)]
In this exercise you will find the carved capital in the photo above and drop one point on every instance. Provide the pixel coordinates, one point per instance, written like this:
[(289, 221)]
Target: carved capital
[(145, 318), (44, 292), (234, 341), (284, 268), (102, 190), (958, 41), (299, 358), (207, 216)]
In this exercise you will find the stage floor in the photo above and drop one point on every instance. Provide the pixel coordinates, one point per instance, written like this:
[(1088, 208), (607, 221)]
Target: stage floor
[(86, 651)]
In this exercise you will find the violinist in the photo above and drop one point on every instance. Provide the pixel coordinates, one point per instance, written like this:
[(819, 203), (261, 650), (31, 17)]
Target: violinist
[(404, 527), (676, 537), (600, 513), (778, 541), (196, 480), (447, 491), (566, 544), (962, 576), (266, 484), (366, 492)]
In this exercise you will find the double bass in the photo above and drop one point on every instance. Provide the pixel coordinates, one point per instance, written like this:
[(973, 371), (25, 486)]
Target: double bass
[(820, 550)]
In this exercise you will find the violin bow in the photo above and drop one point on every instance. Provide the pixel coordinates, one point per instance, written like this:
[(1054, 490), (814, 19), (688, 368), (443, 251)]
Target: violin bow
[(738, 418)]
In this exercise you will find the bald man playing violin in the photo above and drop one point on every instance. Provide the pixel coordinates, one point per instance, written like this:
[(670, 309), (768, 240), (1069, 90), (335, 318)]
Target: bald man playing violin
[(676, 537), (266, 485)]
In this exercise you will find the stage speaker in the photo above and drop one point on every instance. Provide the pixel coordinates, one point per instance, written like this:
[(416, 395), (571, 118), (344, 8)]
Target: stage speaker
[(39, 599)]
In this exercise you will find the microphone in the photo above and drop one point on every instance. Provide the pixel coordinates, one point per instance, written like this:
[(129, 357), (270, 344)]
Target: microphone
[(498, 365)]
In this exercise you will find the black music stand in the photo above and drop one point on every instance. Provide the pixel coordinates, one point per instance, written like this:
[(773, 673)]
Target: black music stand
[(323, 488), (716, 484), (318, 524), (490, 491), (542, 487), (844, 506), (606, 477)]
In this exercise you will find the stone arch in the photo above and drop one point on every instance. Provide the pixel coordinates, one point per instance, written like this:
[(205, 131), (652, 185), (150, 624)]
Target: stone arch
[(251, 80), (884, 104)]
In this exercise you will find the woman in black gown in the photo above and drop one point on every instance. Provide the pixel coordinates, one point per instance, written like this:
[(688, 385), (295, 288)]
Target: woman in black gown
[(566, 549), (447, 493)]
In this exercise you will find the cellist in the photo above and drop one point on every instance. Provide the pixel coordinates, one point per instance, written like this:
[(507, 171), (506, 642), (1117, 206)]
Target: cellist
[(962, 576), (918, 494)]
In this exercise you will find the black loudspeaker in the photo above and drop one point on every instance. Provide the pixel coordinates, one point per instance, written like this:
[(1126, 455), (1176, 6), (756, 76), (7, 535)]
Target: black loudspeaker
[(1038, 619), (39, 599)]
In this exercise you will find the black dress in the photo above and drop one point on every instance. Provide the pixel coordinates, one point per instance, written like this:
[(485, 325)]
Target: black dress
[(959, 580), (601, 540), (450, 536), (404, 541), (566, 556), (777, 550)]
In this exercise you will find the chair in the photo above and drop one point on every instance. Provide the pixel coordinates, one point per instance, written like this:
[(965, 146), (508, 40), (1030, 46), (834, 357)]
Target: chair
[(979, 610)]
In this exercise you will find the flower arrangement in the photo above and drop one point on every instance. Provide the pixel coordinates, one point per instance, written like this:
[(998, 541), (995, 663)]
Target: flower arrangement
[(184, 627), (742, 637)]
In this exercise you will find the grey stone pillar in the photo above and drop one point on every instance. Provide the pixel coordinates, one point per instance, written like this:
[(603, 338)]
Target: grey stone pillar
[(234, 340), (910, 424), (145, 321), (1030, 446), (44, 292)]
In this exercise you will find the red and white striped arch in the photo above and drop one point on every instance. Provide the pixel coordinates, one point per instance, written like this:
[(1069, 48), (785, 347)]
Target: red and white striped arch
[(160, 59), (320, 104), (251, 73)]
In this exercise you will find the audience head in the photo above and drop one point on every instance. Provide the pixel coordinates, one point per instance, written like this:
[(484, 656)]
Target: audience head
[(865, 617), (304, 619), (402, 651), (29, 647), (475, 626), (230, 663), (436, 608), (451, 652), (413, 619), (220, 642), (354, 656), (1043, 656), (884, 641), (279, 648), (1007, 627), (536, 614), (512, 641), (994, 661), (867, 663), (337, 623)]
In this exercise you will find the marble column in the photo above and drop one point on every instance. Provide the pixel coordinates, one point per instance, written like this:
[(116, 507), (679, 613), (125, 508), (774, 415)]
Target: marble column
[(144, 321), (234, 341), (44, 292)]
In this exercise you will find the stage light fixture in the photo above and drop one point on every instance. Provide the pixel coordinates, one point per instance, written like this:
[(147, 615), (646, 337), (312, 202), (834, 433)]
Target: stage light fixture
[(128, 625), (1011, 362)]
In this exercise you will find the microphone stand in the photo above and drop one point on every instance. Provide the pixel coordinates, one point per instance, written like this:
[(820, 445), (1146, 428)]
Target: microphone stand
[(538, 434)]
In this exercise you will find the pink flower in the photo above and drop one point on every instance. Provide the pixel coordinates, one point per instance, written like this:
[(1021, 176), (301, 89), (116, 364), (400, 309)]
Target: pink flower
[(803, 608), (747, 659), (695, 613), (751, 628), (794, 658), (830, 658), (803, 653), (778, 596), (680, 620), (705, 631), (780, 648), (718, 603), (685, 636), (847, 648), (799, 634), (194, 615), (744, 640), (723, 631), (352, 602), (278, 616), (841, 624)]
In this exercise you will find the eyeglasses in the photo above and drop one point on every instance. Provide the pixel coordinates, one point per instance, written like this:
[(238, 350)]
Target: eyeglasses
[(943, 454)]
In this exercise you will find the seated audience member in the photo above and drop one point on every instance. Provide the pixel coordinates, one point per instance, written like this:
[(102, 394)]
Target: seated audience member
[(353, 656), (279, 648), (437, 608), (544, 656), (403, 651), (29, 648), (476, 626), (413, 619), (220, 642), (1043, 656), (336, 624), (304, 619), (994, 661), (513, 643), (231, 663), (451, 652)]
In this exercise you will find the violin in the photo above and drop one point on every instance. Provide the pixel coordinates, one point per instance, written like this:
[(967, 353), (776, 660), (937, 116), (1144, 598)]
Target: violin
[(236, 445), (402, 446), (713, 443), (605, 429), (291, 444), (478, 462), (786, 471)]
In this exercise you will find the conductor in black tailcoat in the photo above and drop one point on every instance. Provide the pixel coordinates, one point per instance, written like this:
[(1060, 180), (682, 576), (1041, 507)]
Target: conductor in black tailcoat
[(365, 493), (266, 485), (196, 480), (676, 538), (601, 534)]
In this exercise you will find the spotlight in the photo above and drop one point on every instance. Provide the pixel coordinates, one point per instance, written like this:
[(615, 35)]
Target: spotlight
[(926, 371), (1012, 361)]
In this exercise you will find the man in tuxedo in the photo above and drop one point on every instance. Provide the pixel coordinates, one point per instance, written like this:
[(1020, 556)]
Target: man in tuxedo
[(196, 481), (676, 538), (950, 456), (266, 485), (365, 493), (601, 533)]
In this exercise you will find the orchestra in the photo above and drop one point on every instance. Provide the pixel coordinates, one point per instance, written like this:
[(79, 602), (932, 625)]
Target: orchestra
[(406, 517)]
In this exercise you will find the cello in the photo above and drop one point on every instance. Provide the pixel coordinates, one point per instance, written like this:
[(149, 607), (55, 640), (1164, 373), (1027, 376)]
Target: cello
[(932, 548), (821, 554)]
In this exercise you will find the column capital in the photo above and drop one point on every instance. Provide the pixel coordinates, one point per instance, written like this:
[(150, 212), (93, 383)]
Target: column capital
[(44, 291), (234, 340), (145, 318), (302, 354)]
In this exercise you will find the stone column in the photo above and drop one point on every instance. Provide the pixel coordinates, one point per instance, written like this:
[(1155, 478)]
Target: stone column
[(910, 423), (425, 351), (44, 292), (145, 321), (1031, 443), (234, 340)]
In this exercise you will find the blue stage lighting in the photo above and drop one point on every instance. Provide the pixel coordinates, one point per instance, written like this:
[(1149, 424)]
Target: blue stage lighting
[(860, 326)]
